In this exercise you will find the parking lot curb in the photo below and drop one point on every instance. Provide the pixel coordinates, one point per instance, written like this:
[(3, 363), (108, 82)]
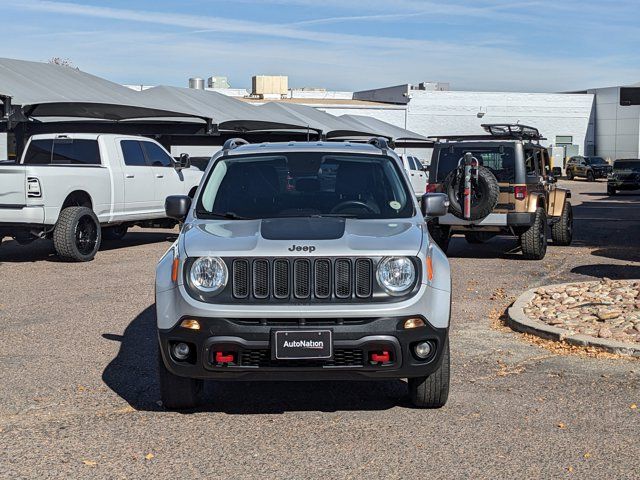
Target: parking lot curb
[(520, 322)]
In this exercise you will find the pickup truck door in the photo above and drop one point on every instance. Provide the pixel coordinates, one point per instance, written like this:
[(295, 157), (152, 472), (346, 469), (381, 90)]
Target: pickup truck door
[(168, 180), (139, 181)]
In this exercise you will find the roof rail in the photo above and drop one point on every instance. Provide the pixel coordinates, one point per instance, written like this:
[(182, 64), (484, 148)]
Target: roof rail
[(379, 142), (234, 143)]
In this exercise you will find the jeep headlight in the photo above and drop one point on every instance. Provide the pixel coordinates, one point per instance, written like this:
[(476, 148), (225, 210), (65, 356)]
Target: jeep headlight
[(209, 274), (396, 275)]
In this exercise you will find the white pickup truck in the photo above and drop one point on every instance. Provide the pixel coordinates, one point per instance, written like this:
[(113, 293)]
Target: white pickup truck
[(417, 173), (79, 188)]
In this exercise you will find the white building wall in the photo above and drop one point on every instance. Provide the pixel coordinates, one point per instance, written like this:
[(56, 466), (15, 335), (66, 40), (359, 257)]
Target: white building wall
[(617, 127), (432, 113)]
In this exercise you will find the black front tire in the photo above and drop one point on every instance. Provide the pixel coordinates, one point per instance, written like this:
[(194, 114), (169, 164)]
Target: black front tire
[(611, 191), (590, 176), (432, 391), (534, 239), (441, 234), (77, 234), (562, 230), (114, 233), (178, 393), (569, 174)]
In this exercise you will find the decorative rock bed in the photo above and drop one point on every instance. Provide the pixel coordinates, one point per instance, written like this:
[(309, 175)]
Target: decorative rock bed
[(604, 313), (605, 309)]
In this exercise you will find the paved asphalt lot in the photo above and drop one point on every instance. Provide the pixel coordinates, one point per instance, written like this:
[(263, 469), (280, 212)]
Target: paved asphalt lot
[(79, 396)]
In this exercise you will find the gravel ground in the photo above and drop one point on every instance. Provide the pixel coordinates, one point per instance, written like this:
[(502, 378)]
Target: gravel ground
[(78, 390)]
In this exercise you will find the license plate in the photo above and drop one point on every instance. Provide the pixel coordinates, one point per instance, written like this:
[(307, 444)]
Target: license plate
[(302, 344)]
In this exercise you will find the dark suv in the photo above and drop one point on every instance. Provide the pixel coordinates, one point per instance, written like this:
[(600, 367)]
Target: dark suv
[(625, 176), (590, 168)]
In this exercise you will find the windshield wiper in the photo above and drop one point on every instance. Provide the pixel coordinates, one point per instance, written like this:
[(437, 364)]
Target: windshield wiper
[(227, 215)]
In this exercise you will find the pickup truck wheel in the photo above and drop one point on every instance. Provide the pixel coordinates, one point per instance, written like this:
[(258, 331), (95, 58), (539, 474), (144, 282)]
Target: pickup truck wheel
[(432, 391), (114, 233), (77, 234), (441, 234), (534, 239), (569, 174), (590, 176), (562, 230), (178, 393), (611, 191)]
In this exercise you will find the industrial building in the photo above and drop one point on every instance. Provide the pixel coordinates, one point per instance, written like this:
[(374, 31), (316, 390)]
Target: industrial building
[(600, 121)]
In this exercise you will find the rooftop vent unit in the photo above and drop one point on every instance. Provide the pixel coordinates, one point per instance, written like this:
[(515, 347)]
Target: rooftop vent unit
[(218, 82), (269, 86), (196, 83)]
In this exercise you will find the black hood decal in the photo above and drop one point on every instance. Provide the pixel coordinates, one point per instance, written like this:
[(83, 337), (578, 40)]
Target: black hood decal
[(308, 228)]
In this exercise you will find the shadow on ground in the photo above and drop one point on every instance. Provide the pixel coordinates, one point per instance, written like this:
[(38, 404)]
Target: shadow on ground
[(42, 250), (132, 374), (615, 272)]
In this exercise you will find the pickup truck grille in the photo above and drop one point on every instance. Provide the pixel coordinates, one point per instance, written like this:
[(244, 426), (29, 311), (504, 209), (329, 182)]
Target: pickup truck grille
[(302, 278)]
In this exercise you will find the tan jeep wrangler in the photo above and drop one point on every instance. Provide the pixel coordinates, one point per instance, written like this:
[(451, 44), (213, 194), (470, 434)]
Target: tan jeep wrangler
[(512, 190)]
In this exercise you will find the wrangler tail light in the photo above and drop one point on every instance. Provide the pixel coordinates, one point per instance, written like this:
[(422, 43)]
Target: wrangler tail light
[(520, 192), (431, 188)]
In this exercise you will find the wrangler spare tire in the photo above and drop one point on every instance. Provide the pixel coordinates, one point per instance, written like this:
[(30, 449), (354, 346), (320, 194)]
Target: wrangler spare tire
[(484, 193)]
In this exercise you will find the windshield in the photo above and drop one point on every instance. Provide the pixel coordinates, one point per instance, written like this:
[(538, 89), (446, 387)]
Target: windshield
[(627, 165), (303, 185), (499, 159), (596, 161)]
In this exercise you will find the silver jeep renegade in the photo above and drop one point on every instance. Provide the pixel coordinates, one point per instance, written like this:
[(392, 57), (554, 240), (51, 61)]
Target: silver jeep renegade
[(304, 261)]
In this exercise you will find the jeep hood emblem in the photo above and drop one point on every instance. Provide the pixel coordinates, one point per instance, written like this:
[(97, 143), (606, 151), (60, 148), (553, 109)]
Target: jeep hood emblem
[(302, 248)]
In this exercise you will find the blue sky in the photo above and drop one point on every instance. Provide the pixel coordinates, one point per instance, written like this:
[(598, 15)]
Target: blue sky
[(492, 45)]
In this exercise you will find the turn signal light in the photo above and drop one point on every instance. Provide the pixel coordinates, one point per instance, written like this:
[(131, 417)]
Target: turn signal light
[(174, 270), (190, 324), (429, 267), (431, 188), (413, 323), (520, 192)]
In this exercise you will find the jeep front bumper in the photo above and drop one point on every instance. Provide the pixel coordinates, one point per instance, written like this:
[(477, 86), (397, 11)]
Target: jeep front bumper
[(249, 343)]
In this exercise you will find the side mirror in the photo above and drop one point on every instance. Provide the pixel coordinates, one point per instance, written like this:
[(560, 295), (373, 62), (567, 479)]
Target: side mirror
[(434, 204), (183, 161), (177, 206)]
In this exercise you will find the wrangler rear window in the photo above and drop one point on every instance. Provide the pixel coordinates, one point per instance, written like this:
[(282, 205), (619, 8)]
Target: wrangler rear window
[(499, 159)]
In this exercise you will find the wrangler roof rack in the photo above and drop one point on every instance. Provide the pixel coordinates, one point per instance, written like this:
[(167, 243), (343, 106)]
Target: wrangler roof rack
[(499, 131)]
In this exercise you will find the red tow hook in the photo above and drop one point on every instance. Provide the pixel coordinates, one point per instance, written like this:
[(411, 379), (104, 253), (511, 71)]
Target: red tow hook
[(380, 357), (222, 358)]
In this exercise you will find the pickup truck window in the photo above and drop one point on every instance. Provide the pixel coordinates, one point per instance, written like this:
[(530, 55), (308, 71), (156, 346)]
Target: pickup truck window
[(65, 151), (305, 185), (132, 153), (156, 155)]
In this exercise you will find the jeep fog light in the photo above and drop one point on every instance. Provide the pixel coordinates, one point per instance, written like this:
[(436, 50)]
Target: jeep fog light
[(396, 275), (181, 351), (422, 350), (209, 274)]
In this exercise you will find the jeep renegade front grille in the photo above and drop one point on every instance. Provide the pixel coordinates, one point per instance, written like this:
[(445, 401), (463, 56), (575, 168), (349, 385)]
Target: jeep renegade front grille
[(302, 278)]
